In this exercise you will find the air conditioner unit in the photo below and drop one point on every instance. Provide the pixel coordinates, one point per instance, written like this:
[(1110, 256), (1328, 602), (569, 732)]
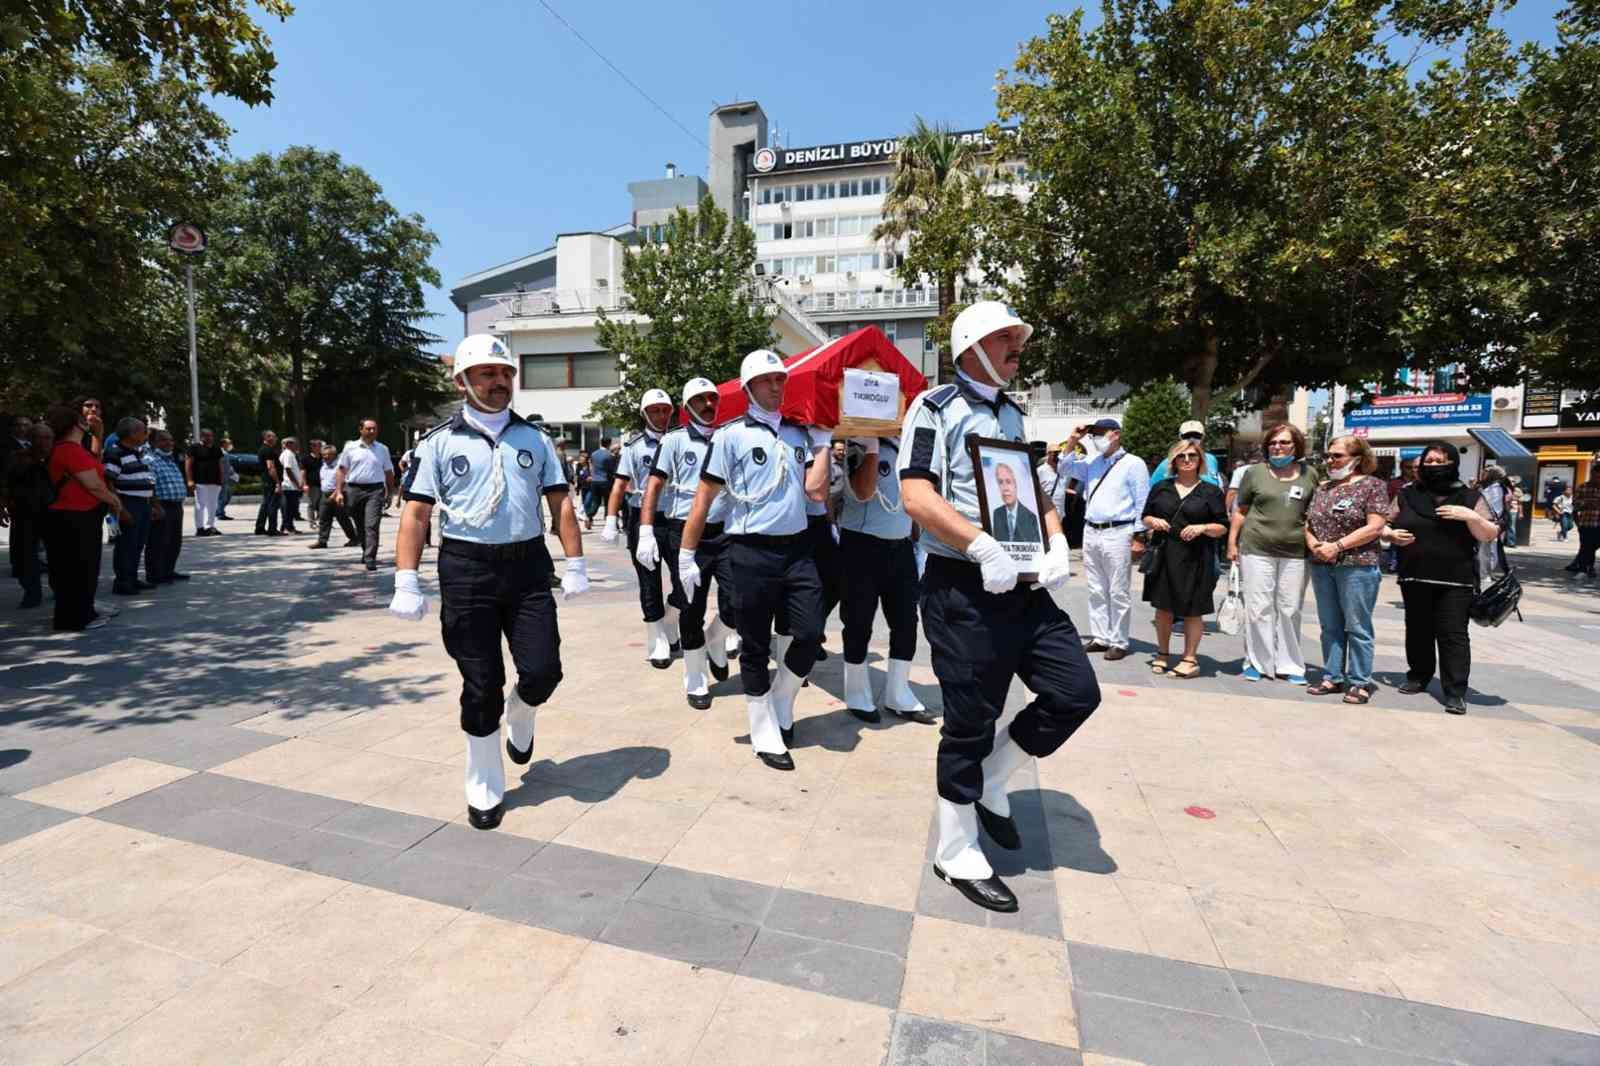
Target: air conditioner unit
[(1502, 402), (805, 279)]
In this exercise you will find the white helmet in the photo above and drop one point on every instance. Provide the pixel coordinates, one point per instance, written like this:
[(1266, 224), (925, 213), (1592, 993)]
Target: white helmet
[(758, 363), (697, 387), (481, 349), (980, 320), (652, 397)]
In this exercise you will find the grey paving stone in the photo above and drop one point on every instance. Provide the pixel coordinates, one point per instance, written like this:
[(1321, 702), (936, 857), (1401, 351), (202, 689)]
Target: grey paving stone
[(698, 893), (227, 830), (938, 900), (304, 809), (19, 818), (330, 854), (697, 939), (161, 808), (861, 925), (1037, 911), (214, 747), (461, 843), (920, 1041), (825, 966), (1419, 1029), (1586, 732), (569, 890), (586, 869), (1002, 1049), (33, 764), (1296, 1049), (1153, 979), (455, 884), (1161, 1036), (381, 825)]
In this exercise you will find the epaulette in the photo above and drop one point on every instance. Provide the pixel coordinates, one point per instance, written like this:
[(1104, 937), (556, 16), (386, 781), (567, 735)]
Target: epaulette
[(631, 441), (431, 432), (938, 399), (1005, 398), (552, 434)]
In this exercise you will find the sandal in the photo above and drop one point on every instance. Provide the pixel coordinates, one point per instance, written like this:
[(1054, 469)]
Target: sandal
[(1357, 695), (1186, 668), (1159, 664), (1325, 687)]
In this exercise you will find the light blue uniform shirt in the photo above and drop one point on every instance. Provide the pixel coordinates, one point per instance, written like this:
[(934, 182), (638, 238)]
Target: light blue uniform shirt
[(638, 454), (678, 463), (881, 516), (1208, 464), (1121, 498), (934, 443), (764, 473), (454, 465)]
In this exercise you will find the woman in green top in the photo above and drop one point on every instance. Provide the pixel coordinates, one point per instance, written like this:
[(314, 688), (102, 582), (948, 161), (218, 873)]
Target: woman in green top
[(1267, 539)]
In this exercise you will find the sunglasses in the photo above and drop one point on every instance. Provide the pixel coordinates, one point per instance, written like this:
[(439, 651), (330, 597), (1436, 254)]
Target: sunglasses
[(1280, 444), (1187, 457)]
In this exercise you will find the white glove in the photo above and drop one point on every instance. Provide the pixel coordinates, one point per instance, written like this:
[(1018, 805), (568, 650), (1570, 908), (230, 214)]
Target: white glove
[(648, 553), (575, 581), (1057, 563), (609, 534), (409, 602), (999, 570), (688, 572), (821, 437)]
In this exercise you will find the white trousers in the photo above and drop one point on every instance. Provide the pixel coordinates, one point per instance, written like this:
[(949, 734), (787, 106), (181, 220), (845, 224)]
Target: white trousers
[(205, 506), (1108, 570), (1274, 593)]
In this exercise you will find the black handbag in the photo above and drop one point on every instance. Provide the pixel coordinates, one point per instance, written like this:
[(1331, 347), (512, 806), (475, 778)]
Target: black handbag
[(1493, 605)]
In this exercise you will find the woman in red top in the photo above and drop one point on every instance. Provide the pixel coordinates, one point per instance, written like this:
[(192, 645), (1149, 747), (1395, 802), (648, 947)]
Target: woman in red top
[(72, 524)]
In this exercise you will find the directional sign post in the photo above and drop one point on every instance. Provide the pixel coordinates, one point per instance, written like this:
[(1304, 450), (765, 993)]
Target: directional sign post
[(189, 240)]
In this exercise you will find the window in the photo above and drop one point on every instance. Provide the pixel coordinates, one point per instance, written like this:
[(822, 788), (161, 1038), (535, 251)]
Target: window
[(543, 372), (583, 370), (890, 330), (592, 370)]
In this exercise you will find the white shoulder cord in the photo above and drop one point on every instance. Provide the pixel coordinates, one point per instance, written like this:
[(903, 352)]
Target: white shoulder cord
[(480, 515), (783, 480), (877, 494)]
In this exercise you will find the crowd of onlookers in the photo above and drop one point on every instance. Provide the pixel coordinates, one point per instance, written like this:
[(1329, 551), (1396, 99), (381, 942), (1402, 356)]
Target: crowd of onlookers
[(68, 488)]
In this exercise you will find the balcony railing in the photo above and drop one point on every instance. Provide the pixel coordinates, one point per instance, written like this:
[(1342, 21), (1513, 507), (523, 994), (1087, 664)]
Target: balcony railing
[(1081, 406), (540, 302), (864, 299)]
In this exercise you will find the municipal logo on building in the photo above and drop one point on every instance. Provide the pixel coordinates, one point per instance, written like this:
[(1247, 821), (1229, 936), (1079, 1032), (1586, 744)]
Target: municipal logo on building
[(765, 160)]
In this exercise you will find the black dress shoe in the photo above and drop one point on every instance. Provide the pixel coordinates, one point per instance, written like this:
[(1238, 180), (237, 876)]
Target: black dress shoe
[(143, 585), (871, 717), (922, 717), (699, 703), (178, 577), (991, 893), (314, 547), (1094, 647), (676, 647), (660, 664), (521, 758), (1455, 705), (778, 762), (1001, 829), (1411, 688), (371, 567), (488, 819), (352, 544), (124, 590), (822, 655), (718, 672), (1113, 654), (788, 736)]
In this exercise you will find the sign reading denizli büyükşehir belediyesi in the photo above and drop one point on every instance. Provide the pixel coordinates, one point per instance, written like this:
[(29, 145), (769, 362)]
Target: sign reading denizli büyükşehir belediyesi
[(1436, 409), (844, 153)]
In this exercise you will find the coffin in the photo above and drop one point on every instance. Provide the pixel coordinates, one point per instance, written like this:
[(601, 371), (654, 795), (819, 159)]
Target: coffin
[(820, 392)]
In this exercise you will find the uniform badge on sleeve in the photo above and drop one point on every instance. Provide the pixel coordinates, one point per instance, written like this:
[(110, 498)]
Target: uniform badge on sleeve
[(459, 465), (759, 455), (883, 468), (799, 455), (524, 458), (690, 459)]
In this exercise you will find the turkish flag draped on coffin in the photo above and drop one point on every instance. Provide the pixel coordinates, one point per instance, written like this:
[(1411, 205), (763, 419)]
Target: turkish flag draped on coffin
[(812, 396)]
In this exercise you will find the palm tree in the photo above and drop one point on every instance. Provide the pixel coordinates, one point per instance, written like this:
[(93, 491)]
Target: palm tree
[(931, 171)]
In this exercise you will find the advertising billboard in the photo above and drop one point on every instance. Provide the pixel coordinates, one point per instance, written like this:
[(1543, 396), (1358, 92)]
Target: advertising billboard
[(1433, 409)]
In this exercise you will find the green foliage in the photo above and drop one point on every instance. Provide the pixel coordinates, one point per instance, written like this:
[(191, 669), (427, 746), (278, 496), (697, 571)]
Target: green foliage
[(1150, 422), (693, 311)]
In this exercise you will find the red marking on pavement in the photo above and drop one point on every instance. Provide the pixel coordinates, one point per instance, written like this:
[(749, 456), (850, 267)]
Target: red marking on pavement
[(1205, 813), (1126, 692), (637, 644)]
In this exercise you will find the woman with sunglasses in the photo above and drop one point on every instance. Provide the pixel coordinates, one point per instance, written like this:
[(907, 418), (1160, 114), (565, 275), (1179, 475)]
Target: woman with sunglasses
[(1346, 517), (1185, 516), (1267, 538)]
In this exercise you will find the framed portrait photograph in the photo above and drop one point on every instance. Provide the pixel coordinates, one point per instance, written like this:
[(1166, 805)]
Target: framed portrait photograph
[(1008, 501)]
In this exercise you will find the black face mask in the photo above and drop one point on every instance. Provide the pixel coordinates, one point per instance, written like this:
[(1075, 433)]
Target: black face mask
[(1439, 478)]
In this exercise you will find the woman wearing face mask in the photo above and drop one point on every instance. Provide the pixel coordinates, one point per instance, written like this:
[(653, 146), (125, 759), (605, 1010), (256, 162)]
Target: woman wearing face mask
[(1345, 519), (1437, 522), (1267, 539)]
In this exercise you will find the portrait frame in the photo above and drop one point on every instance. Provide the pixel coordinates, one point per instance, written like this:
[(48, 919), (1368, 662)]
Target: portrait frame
[(987, 453)]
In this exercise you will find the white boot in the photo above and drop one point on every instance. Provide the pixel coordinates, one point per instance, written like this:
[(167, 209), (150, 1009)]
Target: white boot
[(694, 679), (658, 646), (785, 687), (958, 854), (858, 689), (897, 693), (519, 729), (486, 780), (998, 766), (717, 637), (671, 622), (764, 735), (780, 649), (732, 644)]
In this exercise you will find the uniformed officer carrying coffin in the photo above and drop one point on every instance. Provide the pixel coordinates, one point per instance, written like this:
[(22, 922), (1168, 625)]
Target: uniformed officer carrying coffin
[(875, 552), (486, 470), (674, 481), (769, 468), (633, 471), (982, 628)]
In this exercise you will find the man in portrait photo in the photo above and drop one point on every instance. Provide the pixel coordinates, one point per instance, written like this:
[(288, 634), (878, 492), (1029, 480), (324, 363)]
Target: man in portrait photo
[(1012, 521)]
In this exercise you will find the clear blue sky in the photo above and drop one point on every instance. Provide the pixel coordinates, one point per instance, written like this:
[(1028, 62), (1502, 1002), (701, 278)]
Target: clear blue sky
[(501, 129)]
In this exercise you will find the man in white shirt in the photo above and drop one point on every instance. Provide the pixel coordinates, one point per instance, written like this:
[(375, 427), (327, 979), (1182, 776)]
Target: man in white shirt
[(1115, 485), (364, 481), (291, 484)]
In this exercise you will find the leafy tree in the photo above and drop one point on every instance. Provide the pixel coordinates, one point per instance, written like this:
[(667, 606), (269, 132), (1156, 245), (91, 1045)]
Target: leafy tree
[(929, 205), (1151, 420), (694, 311), (318, 268)]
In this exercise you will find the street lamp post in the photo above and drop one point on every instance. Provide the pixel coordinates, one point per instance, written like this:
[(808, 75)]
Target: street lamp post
[(189, 240)]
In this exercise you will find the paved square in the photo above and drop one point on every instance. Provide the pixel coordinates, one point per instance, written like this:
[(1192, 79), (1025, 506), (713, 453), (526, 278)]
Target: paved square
[(203, 860)]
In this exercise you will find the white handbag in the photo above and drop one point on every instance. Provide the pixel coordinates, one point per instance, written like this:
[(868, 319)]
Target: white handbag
[(1230, 616)]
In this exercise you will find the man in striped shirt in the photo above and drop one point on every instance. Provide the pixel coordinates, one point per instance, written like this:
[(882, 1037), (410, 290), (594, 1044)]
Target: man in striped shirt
[(130, 477)]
